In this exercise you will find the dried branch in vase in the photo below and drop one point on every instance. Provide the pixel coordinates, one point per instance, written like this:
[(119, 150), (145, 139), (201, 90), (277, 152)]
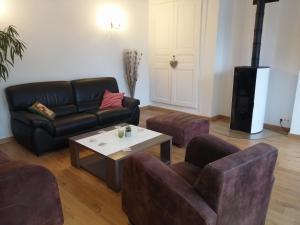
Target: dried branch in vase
[(132, 59)]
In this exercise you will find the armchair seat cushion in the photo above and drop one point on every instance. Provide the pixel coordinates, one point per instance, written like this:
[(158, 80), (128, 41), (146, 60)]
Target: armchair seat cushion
[(108, 116), (187, 171), (74, 123)]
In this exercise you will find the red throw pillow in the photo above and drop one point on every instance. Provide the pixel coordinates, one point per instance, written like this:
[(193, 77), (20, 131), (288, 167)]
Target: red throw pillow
[(112, 100)]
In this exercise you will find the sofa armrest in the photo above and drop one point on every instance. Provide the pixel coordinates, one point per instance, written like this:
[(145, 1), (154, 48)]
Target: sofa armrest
[(153, 194), (130, 103), (133, 105), (207, 148), (33, 120), (31, 193)]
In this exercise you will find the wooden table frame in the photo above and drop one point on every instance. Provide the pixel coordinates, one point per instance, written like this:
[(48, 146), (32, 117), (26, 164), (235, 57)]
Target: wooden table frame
[(109, 168)]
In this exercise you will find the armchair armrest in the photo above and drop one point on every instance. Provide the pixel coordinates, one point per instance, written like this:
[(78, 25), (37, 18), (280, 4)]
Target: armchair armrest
[(207, 148), (153, 194), (31, 193), (33, 120), (130, 102)]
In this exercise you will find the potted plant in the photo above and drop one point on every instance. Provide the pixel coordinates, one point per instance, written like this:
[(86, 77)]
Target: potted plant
[(11, 46), (132, 59)]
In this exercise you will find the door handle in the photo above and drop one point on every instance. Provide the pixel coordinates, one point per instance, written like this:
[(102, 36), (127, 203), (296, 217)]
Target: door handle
[(174, 62)]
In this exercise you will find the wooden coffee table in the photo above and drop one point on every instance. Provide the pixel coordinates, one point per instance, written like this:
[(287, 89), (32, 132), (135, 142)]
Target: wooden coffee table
[(110, 151)]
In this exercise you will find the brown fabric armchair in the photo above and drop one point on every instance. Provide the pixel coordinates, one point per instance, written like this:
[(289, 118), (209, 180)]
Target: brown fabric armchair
[(28, 194), (216, 185)]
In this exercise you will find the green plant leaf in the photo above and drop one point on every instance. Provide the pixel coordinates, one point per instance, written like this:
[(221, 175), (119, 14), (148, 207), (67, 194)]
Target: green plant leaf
[(10, 47), (3, 72)]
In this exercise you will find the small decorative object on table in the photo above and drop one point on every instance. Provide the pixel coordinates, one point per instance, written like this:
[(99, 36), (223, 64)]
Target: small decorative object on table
[(120, 133), (128, 131)]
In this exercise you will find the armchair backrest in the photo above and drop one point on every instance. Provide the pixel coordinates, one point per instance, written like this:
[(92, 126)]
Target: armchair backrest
[(238, 187)]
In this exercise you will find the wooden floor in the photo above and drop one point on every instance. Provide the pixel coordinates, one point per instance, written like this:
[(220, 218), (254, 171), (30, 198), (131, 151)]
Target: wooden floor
[(87, 201)]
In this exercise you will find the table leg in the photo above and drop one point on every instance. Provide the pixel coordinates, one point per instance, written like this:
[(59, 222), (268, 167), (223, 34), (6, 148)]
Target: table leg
[(113, 174), (165, 152), (74, 153)]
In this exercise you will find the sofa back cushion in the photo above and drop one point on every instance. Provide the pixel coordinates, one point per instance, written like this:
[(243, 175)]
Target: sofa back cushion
[(89, 92), (238, 187), (64, 110), (55, 94)]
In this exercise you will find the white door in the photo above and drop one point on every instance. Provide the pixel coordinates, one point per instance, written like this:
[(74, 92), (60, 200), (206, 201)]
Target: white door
[(161, 33), (175, 28), (186, 50)]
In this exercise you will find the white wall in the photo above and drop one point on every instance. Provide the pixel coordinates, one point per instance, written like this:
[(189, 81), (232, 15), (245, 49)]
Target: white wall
[(208, 57), (64, 43), (295, 127), (280, 51)]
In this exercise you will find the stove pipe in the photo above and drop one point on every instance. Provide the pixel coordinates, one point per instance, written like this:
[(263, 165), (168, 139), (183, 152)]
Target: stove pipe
[(259, 22)]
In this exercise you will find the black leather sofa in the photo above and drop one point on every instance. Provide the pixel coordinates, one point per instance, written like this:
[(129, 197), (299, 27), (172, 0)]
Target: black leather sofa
[(76, 104)]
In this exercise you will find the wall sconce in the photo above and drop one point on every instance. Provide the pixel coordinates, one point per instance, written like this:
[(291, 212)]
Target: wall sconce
[(111, 17), (115, 26)]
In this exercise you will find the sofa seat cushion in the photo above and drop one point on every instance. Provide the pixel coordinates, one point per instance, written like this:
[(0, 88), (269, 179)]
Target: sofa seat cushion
[(114, 115), (187, 171), (74, 123)]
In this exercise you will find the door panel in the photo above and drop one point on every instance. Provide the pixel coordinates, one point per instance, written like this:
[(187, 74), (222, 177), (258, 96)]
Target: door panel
[(161, 47), (183, 87), (185, 14), (160, 85), (175, 30), (186, 50)]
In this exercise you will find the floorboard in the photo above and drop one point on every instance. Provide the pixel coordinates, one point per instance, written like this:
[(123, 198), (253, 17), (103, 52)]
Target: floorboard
[(87, 201)]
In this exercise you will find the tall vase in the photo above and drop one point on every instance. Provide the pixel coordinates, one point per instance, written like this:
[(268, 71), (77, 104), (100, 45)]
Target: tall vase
[(132, 59)]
